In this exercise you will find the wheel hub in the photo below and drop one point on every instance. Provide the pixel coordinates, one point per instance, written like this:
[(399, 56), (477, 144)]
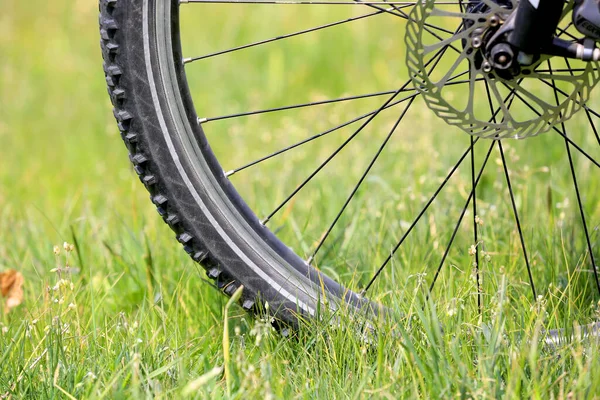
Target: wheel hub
[(504, 93)]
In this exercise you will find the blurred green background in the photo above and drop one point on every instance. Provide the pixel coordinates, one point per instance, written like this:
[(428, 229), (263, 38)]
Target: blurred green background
[(65, 176), (63, 166)]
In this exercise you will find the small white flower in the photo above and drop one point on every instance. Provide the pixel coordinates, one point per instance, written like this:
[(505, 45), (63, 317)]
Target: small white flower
[(91, 376), (472, 250), (56, 250)]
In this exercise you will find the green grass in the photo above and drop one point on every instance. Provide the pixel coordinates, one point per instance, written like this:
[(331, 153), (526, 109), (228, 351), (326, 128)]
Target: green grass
[(134, 317)]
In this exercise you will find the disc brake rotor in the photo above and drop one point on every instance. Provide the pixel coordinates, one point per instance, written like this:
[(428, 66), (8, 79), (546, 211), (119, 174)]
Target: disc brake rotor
[(448, 66)]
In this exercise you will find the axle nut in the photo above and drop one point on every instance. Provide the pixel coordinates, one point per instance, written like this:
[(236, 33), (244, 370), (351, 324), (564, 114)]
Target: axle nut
[(502, 56)]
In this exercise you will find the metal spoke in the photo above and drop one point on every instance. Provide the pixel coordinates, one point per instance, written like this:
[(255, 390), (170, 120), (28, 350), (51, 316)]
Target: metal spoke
[(563, 31), (589, 116), (372, 4), (517, 220), (562, 92), (510, 98), (309, 2), (578, 195), (335, 153), (515, 213), (587, 111), (427, 26), (564, 70), (595, 113), (319, 135), (205, 120), (554, 128), (576, 146), (360, 181), (289, 35), (418, 218), (462, 214), (310, 104), (582, 213), (475, 233), (392, 99), (348, 140)]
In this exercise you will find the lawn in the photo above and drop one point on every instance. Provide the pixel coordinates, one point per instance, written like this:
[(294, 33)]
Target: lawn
[(125, 312)]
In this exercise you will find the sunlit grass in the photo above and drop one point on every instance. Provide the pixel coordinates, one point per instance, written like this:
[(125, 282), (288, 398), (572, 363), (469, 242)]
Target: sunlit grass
[(133, 316)]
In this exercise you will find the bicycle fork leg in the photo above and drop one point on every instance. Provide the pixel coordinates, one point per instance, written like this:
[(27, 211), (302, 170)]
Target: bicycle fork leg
[(534, 24)]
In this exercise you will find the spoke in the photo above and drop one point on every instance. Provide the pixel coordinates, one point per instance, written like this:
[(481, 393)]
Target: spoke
[(587, 111), (582, 213), (418, 218), (498, 96), (427, 26), (205, 120), (595, 113), (517, 220), (578, 195), (341, 147), (319, 135), (395, 7), (563, 31), (493, 119), (518, 87), (373, 4), (462, 214), (576, 146), (309, 2), (314, 103), (510, 97), (562, 92), (554, 128), (563, 70), (475, 235), (360, 181), (289, 35), (335, 153), (515, 213), (446, 42), (589, 116)]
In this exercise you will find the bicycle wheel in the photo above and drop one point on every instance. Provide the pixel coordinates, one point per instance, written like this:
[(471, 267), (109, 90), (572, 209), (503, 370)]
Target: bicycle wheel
[(343, 252)]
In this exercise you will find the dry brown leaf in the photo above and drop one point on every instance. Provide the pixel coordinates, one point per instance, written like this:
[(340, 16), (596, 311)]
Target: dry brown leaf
[(11, 287)]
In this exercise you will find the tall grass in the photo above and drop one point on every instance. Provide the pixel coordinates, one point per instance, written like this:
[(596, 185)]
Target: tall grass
[(127, 314)]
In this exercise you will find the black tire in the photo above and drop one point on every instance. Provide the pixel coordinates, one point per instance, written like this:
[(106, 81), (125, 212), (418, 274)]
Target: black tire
[(171, 155)]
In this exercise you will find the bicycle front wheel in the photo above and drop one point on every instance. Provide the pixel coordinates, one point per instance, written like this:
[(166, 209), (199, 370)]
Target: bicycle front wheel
[(304, 164)]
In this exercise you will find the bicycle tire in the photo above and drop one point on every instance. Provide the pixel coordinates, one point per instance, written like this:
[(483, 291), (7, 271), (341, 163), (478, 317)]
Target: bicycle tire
[(174, 161)]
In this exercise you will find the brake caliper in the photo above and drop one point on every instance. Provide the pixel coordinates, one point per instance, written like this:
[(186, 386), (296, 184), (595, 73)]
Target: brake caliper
[(586, 18)]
